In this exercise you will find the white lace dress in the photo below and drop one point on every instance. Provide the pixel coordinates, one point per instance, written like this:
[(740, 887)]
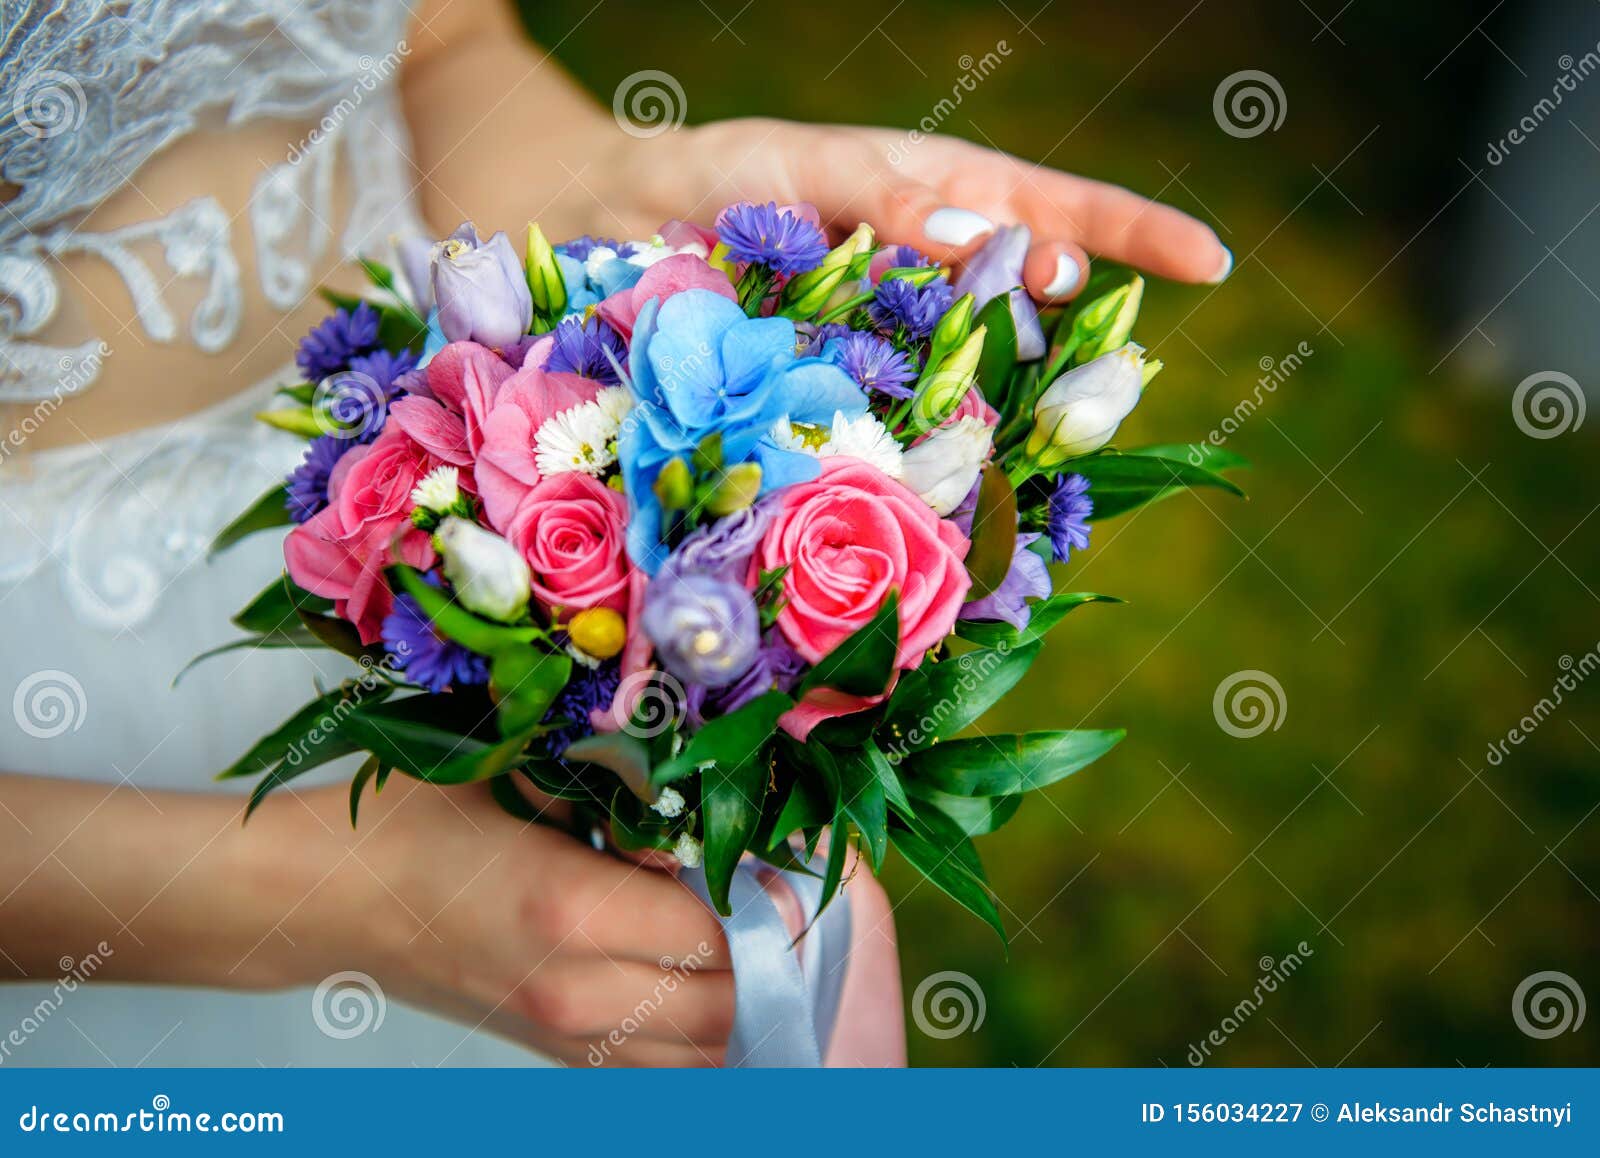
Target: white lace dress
[(105, 591)]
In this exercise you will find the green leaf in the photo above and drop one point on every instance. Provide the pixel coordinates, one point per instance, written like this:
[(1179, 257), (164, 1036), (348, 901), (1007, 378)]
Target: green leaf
[(303, 733), (862, 664), (1003, 765), (893, 791), (838, 849), (958, 691), (728, 739), (994, 533), (418, 736), (803, 808), (974, 815), (359, 784), (731, 795), (999, 355), (1043, 615), (276, 608), (456, 622), (625, 755), (265, 513), (511, 801), (1212, 458), (1120, 482), (940, 851), (862, 798), (525, 681)]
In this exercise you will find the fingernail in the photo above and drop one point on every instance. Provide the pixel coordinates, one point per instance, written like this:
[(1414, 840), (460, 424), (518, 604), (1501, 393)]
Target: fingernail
[(1225, 269), (1067, 274), (951, 226)]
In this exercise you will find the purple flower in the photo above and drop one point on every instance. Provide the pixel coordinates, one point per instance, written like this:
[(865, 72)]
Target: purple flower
[(907, 257), (579, 248), (590, 348), (873, 362), (308, 483), (427, 659), (777, 667), (816, 337), (1028, 578), (587, 689), (997, 269), (480, 289), (900, 303), (334, 341), (779, 239), (1067, 519), (385, 368), (724, 548), (705, 629)]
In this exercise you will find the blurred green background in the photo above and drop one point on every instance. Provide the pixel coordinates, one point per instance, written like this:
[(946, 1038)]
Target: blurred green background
[(1410, 567)]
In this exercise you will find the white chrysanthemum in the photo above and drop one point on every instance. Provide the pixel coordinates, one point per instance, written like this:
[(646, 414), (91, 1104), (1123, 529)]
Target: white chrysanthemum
[(580, 438), (439, 490), (865, 438), (670, 803), (689, 852), (614, 403), (647, 253)]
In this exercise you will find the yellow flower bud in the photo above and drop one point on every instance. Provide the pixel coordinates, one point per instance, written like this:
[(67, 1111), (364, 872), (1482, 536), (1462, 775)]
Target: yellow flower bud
[(599, 632)]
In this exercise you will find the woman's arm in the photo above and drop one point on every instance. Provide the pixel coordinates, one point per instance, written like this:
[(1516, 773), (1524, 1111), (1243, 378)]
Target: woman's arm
[(503, 134)]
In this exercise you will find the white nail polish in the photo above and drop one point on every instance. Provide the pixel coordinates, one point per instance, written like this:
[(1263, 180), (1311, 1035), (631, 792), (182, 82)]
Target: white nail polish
[(1067, 274), (1227, 267), (951, 226)]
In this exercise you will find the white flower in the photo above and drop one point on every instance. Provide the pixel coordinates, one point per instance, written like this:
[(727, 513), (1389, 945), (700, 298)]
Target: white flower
[(1081, 410), (580, 438), (488, 574), (615, 402), (670, 803), (647, 253), (865, 438), (689, 852), (597, 258), (942, 467), (439, 490)]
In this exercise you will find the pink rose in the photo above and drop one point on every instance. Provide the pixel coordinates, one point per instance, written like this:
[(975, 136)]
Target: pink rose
[(341, 552), (506, 469), (669, 276), (571, 529)]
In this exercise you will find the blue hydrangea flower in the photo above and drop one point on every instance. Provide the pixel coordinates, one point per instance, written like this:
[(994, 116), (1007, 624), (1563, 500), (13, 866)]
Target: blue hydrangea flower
[(308, 483), (588, 347), (900, 303), (779, 239), (334, 341), (427, 659), (700, 366), (873, 362), (587, 689), (1067, 519), (588, 283)]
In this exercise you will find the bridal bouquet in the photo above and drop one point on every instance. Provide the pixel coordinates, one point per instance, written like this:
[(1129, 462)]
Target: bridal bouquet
[(725, 536)]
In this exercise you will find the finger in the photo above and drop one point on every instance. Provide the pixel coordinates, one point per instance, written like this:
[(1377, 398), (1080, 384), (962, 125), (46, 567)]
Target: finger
[(1055, 271), (590, 999)]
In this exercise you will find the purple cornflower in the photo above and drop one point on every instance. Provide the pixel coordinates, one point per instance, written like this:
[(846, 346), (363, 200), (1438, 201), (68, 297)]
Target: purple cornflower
[(308, 483), (590, 348), (334, 341), (873, 362), (1068, 515), (781, 240), (579, 248), (385, 368), (900, 303), (906, 256), (816, 337), (587, 689), (427, 659)]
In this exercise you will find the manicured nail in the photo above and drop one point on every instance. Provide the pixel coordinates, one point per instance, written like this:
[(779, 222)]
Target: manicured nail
[(1225, 268), (1067, 274), (950, 226)]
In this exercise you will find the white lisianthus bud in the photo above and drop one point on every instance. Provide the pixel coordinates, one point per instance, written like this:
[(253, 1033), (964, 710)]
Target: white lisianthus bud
[(439, 491), (1081, 410), (942, 467), (488, 574), (689, 851)]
